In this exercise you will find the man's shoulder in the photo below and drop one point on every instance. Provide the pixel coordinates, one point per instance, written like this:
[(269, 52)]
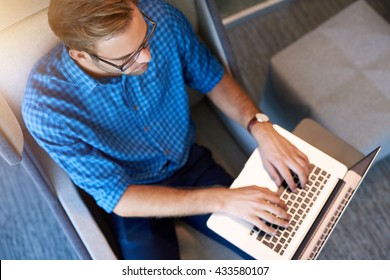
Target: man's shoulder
[(160, 9), (145, 4), (47, 68), (45, 84), (50, 59), (172, 24)]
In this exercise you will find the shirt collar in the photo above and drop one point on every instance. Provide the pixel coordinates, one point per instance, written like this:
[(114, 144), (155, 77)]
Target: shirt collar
[(76, 74), (81, 78)]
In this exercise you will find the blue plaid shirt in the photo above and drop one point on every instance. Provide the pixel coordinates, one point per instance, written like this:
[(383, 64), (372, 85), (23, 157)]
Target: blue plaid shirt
[(110, 133)]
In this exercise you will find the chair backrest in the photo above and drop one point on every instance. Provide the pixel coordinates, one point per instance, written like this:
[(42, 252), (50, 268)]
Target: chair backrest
[(12, 11), (22, 44)]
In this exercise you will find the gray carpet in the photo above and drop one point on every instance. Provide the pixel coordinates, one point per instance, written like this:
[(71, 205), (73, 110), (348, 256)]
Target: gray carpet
[(28, 230)]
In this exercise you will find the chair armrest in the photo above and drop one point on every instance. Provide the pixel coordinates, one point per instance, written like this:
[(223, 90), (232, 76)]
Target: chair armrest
[(11, 136), (44, 171), (214, 35)]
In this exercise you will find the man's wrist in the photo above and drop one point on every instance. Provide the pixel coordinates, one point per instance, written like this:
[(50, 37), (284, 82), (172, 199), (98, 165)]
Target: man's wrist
[(259, 118)]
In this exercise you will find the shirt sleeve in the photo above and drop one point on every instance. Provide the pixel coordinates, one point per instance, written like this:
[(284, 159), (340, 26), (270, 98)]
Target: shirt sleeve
[(90, 169), (202, 70)]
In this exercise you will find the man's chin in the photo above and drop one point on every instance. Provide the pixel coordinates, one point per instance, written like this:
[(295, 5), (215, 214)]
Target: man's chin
[(141, 69)]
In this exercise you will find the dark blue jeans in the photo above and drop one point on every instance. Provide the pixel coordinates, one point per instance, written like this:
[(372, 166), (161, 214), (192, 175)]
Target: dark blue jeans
[(155, 238)]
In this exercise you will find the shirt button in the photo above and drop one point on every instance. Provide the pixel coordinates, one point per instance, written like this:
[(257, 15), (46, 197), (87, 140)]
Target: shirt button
[(167, 152), (146, 128), (135, 108)]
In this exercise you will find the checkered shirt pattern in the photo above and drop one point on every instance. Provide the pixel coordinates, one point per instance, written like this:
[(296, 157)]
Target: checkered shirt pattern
[(114, 132)]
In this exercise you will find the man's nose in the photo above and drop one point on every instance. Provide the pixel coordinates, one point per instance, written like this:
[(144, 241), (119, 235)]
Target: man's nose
[(144, 56)]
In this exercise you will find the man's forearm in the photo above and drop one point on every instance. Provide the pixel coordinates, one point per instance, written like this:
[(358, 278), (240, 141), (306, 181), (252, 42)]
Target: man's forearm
[(231, 99), (251, 203), (160, 201)]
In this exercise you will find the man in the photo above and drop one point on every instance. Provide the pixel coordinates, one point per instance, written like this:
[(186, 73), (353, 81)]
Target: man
[(110, 106)]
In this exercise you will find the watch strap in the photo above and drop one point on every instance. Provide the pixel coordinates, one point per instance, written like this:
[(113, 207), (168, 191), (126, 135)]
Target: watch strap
[(251, 123)]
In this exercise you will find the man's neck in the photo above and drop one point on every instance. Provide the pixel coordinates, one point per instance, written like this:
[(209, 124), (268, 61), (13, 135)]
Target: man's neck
[(95, 72)]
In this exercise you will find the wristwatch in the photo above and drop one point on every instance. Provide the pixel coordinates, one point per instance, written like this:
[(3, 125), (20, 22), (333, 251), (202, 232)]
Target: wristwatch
[(259, 117)]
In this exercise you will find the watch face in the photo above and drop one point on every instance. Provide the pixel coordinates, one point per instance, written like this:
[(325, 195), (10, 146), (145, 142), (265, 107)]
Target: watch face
[(262, 117)]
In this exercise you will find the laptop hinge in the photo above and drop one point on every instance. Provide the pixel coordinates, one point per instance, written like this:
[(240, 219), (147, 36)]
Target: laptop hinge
[(329, 216), (302, 252)]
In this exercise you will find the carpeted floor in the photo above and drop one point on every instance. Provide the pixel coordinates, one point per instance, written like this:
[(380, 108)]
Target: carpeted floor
[(28, 230)]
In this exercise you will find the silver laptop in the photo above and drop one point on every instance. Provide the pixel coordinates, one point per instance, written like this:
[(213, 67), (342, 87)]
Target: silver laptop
[(315, 210)]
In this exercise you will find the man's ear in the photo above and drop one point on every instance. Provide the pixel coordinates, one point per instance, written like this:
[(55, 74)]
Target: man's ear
[(80, 56)]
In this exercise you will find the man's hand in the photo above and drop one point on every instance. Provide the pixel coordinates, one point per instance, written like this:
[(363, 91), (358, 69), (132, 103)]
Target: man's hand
[(256, 205), (280, 157)]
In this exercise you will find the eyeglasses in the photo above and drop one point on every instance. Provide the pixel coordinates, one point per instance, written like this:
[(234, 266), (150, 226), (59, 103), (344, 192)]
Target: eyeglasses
[(151, 25)]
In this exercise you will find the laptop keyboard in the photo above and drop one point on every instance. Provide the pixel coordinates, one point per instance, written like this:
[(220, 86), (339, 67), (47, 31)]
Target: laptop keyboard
[(299, 205)]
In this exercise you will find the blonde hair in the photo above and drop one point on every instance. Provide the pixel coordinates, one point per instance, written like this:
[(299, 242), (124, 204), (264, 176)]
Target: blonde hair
[(82, 23)]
